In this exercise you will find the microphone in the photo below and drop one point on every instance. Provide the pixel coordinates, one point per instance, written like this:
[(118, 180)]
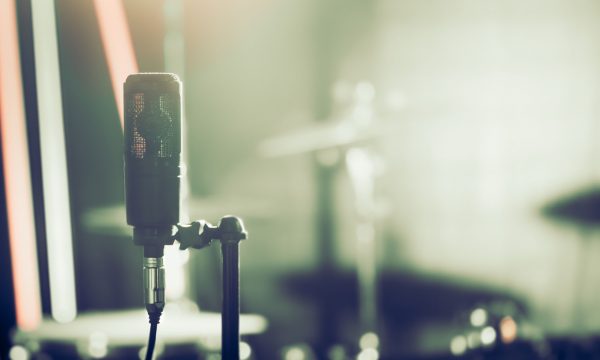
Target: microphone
[(152, 172)]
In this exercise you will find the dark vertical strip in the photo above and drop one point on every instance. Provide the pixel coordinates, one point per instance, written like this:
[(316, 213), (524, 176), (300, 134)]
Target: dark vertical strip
[(7, 296), (324, 59)]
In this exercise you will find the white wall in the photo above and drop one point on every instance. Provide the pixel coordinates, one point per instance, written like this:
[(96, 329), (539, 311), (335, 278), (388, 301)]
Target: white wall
[(501, 118)]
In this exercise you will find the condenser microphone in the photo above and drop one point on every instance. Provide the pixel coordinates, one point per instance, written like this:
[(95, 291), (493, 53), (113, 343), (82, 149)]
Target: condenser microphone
[(152, 151)]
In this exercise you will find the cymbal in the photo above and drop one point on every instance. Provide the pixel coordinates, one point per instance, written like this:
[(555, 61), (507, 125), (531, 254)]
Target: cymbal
[(111, 220), (580, 208), (358, 119), (320, 137), (130, 328)]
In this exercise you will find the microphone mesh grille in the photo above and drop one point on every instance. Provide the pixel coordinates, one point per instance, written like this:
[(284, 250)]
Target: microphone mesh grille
[(154, 125)]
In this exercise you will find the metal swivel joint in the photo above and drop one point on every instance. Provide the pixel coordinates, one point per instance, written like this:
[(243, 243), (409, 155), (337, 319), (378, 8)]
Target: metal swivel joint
[(200, 233)]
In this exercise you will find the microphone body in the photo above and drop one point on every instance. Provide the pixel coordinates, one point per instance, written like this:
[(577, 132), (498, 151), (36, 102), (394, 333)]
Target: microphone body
[(152, 151)]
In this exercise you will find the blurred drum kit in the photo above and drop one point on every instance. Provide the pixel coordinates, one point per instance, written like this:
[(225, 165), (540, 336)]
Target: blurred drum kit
[(347, 139)]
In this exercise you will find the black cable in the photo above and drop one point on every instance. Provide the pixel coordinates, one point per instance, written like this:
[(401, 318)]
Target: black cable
[(154, 320)]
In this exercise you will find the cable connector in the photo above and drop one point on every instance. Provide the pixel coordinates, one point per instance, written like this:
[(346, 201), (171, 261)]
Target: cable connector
[(154, 284), (154, 317)]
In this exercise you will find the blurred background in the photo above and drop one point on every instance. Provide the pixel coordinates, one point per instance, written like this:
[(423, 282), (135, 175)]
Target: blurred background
[(419, 179)]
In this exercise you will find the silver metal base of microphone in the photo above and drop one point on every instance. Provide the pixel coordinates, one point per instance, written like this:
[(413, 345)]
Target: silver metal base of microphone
[(154, 284)]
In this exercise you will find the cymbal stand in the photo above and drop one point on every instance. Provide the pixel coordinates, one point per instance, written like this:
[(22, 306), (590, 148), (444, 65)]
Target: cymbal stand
[(230, 232), (361, 168)]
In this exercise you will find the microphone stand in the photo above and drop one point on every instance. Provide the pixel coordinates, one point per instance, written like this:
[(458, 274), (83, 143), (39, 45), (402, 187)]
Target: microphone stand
[(230, 338), (230, 232)]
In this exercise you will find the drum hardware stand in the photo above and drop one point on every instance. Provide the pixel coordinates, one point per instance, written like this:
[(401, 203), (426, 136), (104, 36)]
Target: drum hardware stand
[(230, 231)]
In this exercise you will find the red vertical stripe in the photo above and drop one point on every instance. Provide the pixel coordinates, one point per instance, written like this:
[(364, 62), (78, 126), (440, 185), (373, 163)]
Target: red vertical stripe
[(17, 179), (118, 48)]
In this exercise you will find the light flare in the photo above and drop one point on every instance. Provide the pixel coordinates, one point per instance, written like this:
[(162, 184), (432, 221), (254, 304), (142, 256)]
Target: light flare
[(118, 48)]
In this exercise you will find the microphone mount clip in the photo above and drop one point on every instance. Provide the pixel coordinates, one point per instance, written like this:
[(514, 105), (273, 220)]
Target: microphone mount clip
[(200, 233)]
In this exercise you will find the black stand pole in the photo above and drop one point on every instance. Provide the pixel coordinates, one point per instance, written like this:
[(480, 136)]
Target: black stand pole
[(230, 318), (230, 232)]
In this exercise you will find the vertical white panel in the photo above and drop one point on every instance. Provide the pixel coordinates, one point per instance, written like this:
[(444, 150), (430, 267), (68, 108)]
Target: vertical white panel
[(54, 162)]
